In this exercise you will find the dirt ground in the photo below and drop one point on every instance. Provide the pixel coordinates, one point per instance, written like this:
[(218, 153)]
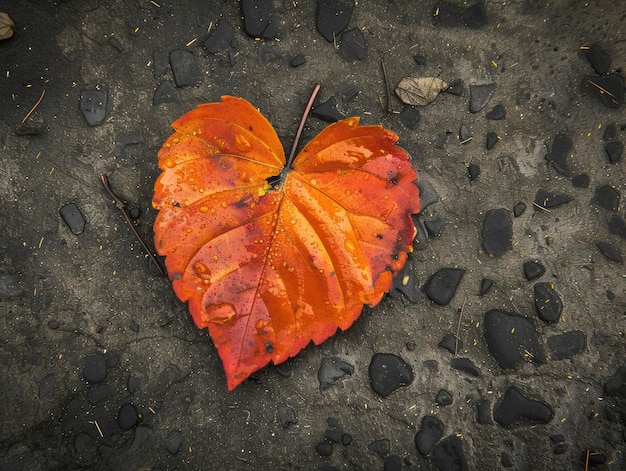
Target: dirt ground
[(102, 367)]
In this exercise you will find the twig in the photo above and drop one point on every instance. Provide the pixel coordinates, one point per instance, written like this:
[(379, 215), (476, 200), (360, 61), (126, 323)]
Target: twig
[(305, 115), (458, 328), (43, 92), (122, 206), (387, 89)]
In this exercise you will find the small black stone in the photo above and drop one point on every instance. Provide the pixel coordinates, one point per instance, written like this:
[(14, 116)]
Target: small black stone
[(332, 16), (134, 213), (560, 448), (116, 44), (99, 394), (409, 117), (548, 303), (560, 153), (598, 58), (546, 200), (450, 15), (614, 151), (466, 365), (497, 233), (435, 226), (429, 433), (95, 368), (607, 197), (557, 438), (566, 345), (616, 386), (533, 269), (405, 281), (492, 140), (331, 371), (448, 454), (419, 59), (184, 68), (617, 226), (456, 87), (324, 448), (511, 339), (286, 416), (444, 398), (497, 113), (483, 409), (160, 61), (505, 460), (465, 135), (610, 252), (449, 342), (334, 432), (608, 89), (353, 46), (610, 132), (514, 407), (346, 439), (381, 446), (347, 92), (519, 209), (258, 18), (283, 369), (221, 39), (428, 193), (127, 417), (473, 172), (327, 110), (173, 441), (297, 61), (580, 181), (393, 463), (485, 286), (82, 442), (165, 93), (93, 106), (389, 372), (9, 286), (134, 326), (52, 324), (132, 384), (441, 286), (480, 96)]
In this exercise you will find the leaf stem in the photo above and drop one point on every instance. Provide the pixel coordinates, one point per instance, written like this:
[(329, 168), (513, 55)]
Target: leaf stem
[(305, 115)]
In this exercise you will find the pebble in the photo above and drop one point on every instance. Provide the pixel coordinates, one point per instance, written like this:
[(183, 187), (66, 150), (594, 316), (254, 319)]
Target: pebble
[(222, 39), (614, 151), (444, 398), (428, 194), (405, 281), (608, 89), (82, 441), (491, 140), (510, 338), (389, 372), (497, 113), (607, 197), (334, 432), (113, 42), (610, 132), (346, 439), (331, 371), (616, 385), (610, 252), (353, 45), (165, 93), (497, 233), (324, 448), (297, 60), (451, 343), (485, 286), (533, 269), (327, 110), (546, 200), (441, 286), (258, 18), (53, 324), (598, 58), (283, 369), (184, 68), (160, 61), (393, 463), (505, 460), (466, 365), (267, 53), (450, 15), (99, 394), (560, 153), (519, 209), (332, 16), (9, 286), (381, 447), (473, 172), (580, 181), (347, 92), (420, 241), (617, 226), (483, 411), (419, 59), (448, 454), (93, 106), (47, 387), (95, 368), (409, 117), (127, 417), (465, 135), (287, 416), (514, 407), (134, 213), (480, 96), (548, 303), (566, 345), (74, 219), (434, 227), (456, 87), (429, 433), (173, 441)]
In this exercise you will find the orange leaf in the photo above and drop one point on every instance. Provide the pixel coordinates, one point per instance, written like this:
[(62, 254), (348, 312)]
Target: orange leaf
[(267, 268)]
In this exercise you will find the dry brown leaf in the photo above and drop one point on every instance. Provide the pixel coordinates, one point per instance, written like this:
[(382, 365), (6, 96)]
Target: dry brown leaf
[(6, 26), (420, 91)]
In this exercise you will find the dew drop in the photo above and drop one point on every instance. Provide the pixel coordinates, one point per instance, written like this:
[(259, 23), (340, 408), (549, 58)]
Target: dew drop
[(224, 204), (349, 244), (192, 179), (175, 140), (204, 209), (202, 272), (313, 181), (188, 230), (170, 163), (242, 143), (222, 313), (212, 210)]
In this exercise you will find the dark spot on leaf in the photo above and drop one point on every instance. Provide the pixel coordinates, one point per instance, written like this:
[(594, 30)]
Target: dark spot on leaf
[(269, 347)]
